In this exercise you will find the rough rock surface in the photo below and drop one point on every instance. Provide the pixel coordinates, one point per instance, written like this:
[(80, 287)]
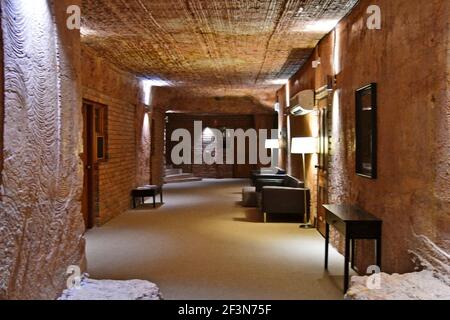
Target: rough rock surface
[(413, 203), (41, 226), (424, 285), (211, 44), (113, 290)]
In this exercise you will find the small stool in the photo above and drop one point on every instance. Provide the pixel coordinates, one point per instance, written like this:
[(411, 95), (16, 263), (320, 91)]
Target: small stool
[(147, 191), (249, 197)]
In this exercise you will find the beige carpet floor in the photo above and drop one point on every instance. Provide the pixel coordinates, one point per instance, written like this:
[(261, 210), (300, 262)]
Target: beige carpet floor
[(201, 244)]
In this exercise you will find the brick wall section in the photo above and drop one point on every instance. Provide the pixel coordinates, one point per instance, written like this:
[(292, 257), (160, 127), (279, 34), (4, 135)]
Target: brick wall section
[(120, 91)]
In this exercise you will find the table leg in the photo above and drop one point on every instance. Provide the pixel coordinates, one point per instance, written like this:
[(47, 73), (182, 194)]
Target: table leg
[(379, 252), (134, 202), (161, 195), (346, 266), (327, 240), (353, 253), (154, 203), (143, 200)]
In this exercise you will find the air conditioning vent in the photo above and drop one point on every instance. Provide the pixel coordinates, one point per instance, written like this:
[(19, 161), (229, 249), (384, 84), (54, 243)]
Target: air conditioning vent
[(302, 103)]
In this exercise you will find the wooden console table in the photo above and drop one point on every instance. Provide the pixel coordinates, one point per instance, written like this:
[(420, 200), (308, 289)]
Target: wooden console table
[(353, 223)]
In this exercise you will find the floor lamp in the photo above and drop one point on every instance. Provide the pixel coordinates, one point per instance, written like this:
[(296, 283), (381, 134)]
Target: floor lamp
[(304, 146)]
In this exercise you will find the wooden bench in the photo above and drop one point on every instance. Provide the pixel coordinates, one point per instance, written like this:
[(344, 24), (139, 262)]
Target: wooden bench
[(147, 191)]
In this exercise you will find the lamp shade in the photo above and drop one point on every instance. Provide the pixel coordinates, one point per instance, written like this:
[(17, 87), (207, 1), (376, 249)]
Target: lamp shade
[(272, 144), (304, 145)]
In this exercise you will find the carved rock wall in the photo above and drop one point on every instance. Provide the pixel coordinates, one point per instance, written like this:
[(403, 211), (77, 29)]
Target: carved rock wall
[(409, 60), (41, 225), (411, 194)]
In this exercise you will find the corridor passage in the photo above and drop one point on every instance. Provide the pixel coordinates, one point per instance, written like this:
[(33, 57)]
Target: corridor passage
[(201, 244)]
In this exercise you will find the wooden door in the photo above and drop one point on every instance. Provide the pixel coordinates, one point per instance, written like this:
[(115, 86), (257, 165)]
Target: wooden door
[(87, 203), (94, 151), (324, 103)]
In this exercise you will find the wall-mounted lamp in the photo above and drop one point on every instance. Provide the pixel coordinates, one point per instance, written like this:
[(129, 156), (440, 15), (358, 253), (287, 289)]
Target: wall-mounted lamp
[(276, 106), (316, 63)]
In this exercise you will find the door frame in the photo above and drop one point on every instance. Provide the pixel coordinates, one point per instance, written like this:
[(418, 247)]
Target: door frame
[(90, 198), (324, 103)]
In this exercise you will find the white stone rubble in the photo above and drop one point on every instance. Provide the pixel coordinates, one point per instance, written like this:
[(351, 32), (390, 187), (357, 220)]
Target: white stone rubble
[(424, 285), (113, 290)]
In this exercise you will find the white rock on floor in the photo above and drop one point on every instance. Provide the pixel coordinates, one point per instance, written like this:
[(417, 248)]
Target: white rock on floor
[(424, 285), (113, 290)]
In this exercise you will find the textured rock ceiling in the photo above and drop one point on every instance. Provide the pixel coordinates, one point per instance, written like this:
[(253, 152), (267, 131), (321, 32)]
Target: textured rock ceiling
[(211, 47)]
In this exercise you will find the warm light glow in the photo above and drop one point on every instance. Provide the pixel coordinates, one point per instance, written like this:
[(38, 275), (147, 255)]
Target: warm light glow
[(314, 124), (279, 81), (148, 84), (336, 53), (157, 82), (288, 95), (147, 89), (276, 106), (289, 164), (272, 144), (146, 127), (306, 145), (335, 113), (325, 25)]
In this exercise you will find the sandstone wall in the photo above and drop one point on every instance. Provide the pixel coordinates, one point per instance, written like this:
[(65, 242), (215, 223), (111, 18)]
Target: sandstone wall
[(408, 59), (121, 93), (143, 141), (41, 225), (157, 160)]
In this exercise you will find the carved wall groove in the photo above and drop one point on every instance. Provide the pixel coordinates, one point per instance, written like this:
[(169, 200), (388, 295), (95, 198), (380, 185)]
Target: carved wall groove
[(40, 219)]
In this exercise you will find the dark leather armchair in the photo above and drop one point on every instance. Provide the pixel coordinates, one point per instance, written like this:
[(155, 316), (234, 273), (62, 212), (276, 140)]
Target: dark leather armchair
[(284, 197), (260, 174)]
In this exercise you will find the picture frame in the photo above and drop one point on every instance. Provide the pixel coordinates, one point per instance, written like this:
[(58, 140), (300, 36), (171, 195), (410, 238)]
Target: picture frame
[(366, 131)]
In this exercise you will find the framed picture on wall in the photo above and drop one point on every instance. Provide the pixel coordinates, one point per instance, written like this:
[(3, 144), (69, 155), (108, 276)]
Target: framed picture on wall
[(366, 131)]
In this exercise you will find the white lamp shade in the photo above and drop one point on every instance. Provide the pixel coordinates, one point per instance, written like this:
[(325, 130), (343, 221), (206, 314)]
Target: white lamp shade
[(304, 145), (272, 144)]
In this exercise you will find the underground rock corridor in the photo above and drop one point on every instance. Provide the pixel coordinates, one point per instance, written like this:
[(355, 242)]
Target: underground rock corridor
[(202, 244), (223, 150)]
